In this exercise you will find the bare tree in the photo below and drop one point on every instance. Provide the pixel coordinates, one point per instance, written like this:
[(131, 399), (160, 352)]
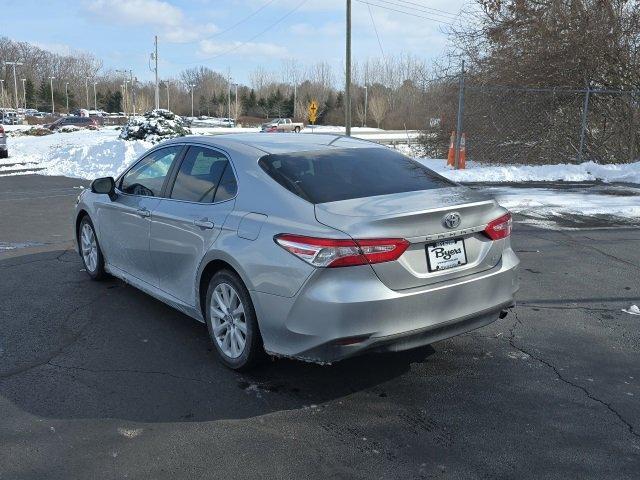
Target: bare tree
[(378, 107)]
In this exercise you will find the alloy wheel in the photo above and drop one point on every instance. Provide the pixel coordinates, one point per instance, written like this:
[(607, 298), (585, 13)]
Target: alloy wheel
[(229, 322)]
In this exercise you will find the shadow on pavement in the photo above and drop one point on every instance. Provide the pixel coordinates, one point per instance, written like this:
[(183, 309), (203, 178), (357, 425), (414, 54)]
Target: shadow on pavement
[(74, 348)]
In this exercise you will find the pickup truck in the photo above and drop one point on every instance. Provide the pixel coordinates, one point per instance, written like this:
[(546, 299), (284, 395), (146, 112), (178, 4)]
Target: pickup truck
[(282, 125)]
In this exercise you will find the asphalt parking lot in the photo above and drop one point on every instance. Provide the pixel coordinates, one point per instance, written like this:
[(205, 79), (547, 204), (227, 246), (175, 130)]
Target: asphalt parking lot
[(98, 380)]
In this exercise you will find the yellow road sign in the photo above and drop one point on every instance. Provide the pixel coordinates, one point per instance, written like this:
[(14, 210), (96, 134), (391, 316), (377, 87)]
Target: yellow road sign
[(313, 112)]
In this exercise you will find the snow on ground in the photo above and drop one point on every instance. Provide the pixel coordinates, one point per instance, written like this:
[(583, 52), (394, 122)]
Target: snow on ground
[(82, 154), (583, 172), (90, 154), (584, 201)]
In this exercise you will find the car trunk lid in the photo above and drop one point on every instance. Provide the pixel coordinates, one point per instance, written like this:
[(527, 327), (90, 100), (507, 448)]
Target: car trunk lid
[(418, 217)]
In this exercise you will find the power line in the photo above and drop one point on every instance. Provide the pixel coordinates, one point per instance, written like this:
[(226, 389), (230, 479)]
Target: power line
[(373, 22), (242, 44), (239, 22), (436, 11), (403, 11)]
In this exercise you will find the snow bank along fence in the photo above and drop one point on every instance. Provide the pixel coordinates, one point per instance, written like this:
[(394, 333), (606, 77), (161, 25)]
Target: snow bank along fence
[(536, 125)]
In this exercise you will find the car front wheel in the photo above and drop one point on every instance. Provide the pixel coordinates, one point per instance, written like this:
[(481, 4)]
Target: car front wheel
[(231, 321), (90, 250)]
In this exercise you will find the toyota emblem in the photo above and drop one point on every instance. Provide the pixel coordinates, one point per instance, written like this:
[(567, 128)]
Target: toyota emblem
[(451, 220)]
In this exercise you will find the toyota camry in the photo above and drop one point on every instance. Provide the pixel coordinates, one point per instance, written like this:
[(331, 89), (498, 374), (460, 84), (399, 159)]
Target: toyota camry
[(315, 247)]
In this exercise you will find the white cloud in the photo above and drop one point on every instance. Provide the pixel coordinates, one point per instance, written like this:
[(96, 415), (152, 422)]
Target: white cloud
[(173, 24), (136, 12), (189, 34), (248, 49)]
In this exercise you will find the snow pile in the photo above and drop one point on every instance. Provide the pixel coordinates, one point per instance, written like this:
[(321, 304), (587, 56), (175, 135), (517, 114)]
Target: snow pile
[(587, 171), (632, 310), (553, 202), (82, 154), (154, 126)]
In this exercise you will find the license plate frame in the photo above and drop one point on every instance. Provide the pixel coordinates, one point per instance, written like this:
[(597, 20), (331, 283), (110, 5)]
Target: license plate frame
[(457, 259)]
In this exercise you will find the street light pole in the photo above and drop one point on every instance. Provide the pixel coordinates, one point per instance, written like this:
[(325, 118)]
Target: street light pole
[(1, 92), (192, 85), (95, 97), (86, 86), (66, 93), (15, 79), (167, 85), (53, 105), (364, 120), (24, 93)]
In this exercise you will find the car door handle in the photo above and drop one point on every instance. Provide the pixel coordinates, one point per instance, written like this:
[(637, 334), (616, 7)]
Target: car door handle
[(203, 223), (143, 212)]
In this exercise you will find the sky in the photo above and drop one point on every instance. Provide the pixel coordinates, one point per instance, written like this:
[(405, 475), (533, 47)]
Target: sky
[(233, 36)]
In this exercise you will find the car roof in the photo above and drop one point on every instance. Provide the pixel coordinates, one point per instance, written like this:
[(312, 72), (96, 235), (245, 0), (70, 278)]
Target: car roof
[(279, 142)]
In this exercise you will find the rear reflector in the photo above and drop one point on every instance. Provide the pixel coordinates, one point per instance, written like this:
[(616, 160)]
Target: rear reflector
[(331, 252), (499, 228)]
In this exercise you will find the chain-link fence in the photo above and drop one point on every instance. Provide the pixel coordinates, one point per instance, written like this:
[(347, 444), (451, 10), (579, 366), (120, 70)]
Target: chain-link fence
[(537, 126)]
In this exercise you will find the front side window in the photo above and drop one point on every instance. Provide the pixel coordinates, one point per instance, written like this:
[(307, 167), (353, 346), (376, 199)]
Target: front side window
[(200, 176), (148, 175)]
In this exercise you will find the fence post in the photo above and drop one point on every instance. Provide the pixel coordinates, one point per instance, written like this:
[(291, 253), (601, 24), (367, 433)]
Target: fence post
[(460, 114), (583, 129)]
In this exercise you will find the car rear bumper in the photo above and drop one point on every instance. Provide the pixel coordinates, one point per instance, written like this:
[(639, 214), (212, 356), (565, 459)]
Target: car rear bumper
[(339, 313)]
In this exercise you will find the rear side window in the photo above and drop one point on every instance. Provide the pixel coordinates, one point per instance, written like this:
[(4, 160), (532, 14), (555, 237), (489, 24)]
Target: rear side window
[(200, 175), (342, 174)]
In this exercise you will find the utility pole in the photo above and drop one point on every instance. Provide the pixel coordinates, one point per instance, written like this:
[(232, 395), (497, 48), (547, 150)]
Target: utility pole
[(295, 95), (66, 93), (460, 114), (167, 85), (156, 69), (229, 97), (347, 87), (1, 92), (24, 93), (95, 97), (235, 116), (192, 85), (133, 92), (364, 120), (53, 105), (15, 79)]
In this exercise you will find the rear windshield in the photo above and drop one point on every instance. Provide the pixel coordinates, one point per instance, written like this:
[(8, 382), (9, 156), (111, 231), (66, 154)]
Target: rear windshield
[(342, 174)]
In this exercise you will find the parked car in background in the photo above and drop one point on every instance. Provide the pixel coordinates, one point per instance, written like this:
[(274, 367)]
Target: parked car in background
[(4, 150), (227, 122), (81, 122), (10, 117), (316, 247), (282, 125)]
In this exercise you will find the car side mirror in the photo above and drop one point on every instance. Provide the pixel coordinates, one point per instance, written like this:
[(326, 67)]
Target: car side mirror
[(104, 185)]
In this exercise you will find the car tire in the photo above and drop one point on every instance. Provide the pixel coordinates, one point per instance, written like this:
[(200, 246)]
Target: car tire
[(297, 129), (90, 251), (232, 322), (4, 153)]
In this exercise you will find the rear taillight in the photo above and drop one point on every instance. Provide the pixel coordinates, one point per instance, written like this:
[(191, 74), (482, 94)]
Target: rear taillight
[(499, 228), (1, 128), (330, 252)]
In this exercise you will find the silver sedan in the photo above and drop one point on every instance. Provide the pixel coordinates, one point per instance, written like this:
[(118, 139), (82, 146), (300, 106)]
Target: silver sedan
[(316, 247)]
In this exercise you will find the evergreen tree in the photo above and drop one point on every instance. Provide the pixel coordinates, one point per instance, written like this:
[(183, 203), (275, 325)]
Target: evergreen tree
[(44, 94), (30, 93)]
